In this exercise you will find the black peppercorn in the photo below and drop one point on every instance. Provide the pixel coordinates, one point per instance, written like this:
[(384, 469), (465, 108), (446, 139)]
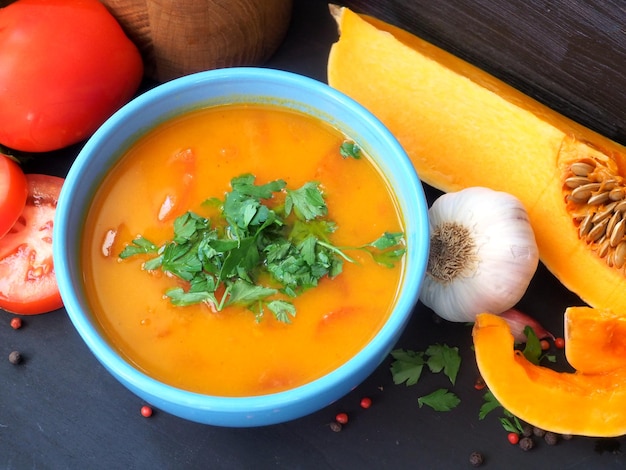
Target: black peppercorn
[(538, 432), (551, 438), (15, 357), (526, 443), (335, 426), (476, 459), (527, 430)]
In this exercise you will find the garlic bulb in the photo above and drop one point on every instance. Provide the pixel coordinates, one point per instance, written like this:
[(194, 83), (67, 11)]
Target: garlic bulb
[(483, 254)]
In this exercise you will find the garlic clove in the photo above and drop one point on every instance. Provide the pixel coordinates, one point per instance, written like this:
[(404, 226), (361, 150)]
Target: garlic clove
[(518, 321)]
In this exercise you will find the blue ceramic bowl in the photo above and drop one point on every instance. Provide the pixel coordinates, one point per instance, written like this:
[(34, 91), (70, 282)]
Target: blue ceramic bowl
[(216, 87)]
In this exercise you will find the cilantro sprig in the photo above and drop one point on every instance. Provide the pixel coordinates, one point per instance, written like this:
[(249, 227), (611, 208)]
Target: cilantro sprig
[(256, 254)]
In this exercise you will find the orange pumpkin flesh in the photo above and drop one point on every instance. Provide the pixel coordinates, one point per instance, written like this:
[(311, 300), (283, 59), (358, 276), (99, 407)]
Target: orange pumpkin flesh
[(569, 403), (595, 340), (463, 127)]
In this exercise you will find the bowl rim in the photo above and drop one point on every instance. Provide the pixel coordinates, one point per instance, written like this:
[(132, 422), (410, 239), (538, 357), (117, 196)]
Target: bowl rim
[(139, 381)]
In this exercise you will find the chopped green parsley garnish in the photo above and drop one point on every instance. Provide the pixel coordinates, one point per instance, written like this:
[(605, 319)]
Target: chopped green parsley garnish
[(255, 255), (350, 149)]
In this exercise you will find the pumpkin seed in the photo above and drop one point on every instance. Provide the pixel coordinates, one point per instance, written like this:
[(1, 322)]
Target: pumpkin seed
[(615, 218), (617, 234), (619, 256), (617, 194), (585, 226), (582, 193), (582, 168), (605, 213), (598, 199), (603, 248), (575, 181), (597, 231), (608, 185)]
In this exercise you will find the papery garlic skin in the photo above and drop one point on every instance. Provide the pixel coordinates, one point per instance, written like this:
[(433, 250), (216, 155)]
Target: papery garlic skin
[(504, 254)]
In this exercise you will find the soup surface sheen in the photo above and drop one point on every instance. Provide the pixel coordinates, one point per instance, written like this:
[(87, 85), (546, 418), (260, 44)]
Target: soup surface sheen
[(176, 167)]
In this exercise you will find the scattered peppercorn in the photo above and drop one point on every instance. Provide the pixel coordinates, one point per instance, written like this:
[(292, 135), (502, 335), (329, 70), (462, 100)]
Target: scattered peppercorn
[(15, 357), (342, 418), (16, 323), (526, 443), (544, 344), (146, 411), (476, 459), (527, 430), (335, 426), (513, 438), (538, 432), (366, 402), (567, 437), (551, 438), (559, 343), (479, 384)]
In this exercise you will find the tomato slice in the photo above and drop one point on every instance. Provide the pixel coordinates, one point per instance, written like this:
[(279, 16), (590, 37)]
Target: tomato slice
[(13, 192), (27, 281)]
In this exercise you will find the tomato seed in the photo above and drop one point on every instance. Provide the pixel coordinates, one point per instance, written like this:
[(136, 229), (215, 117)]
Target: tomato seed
[(146, 411), (16, 323), (341, 418), (366, 402)]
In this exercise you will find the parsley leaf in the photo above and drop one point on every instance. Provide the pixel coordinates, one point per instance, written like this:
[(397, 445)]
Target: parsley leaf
[(444, 358), (532, 351), (307, 202), (512, 424), (350, 149), (139, 246), (407, 366), (490, 404), (440, 400), (282, 310)]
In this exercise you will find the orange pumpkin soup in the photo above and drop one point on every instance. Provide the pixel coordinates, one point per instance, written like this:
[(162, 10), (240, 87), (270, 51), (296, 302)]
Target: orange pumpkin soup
[(176, 168)]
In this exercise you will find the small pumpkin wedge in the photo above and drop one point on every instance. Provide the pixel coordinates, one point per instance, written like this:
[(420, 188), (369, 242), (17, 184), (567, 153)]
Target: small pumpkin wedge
[(569, 403), (463, 127), (595, 340)]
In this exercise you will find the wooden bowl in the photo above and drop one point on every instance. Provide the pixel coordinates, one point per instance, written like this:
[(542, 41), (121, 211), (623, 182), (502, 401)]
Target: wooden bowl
[(180, 37)]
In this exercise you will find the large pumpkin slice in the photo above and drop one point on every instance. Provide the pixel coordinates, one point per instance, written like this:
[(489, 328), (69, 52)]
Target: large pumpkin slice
[(595, 340), (462, 127), (569, 403)]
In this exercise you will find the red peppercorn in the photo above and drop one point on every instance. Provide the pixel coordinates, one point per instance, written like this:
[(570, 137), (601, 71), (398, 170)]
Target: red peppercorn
[(559, 343), (513, 438), (341, 418), (16, 323), (479, 384), (544, 344), (146, 411), (366, 402)]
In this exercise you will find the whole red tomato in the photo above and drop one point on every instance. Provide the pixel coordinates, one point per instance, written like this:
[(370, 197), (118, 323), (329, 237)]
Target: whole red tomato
[(65, 67)]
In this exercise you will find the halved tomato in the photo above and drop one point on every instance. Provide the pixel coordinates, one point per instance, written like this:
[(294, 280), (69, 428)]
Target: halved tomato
[(13, 191), (27, 281)]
